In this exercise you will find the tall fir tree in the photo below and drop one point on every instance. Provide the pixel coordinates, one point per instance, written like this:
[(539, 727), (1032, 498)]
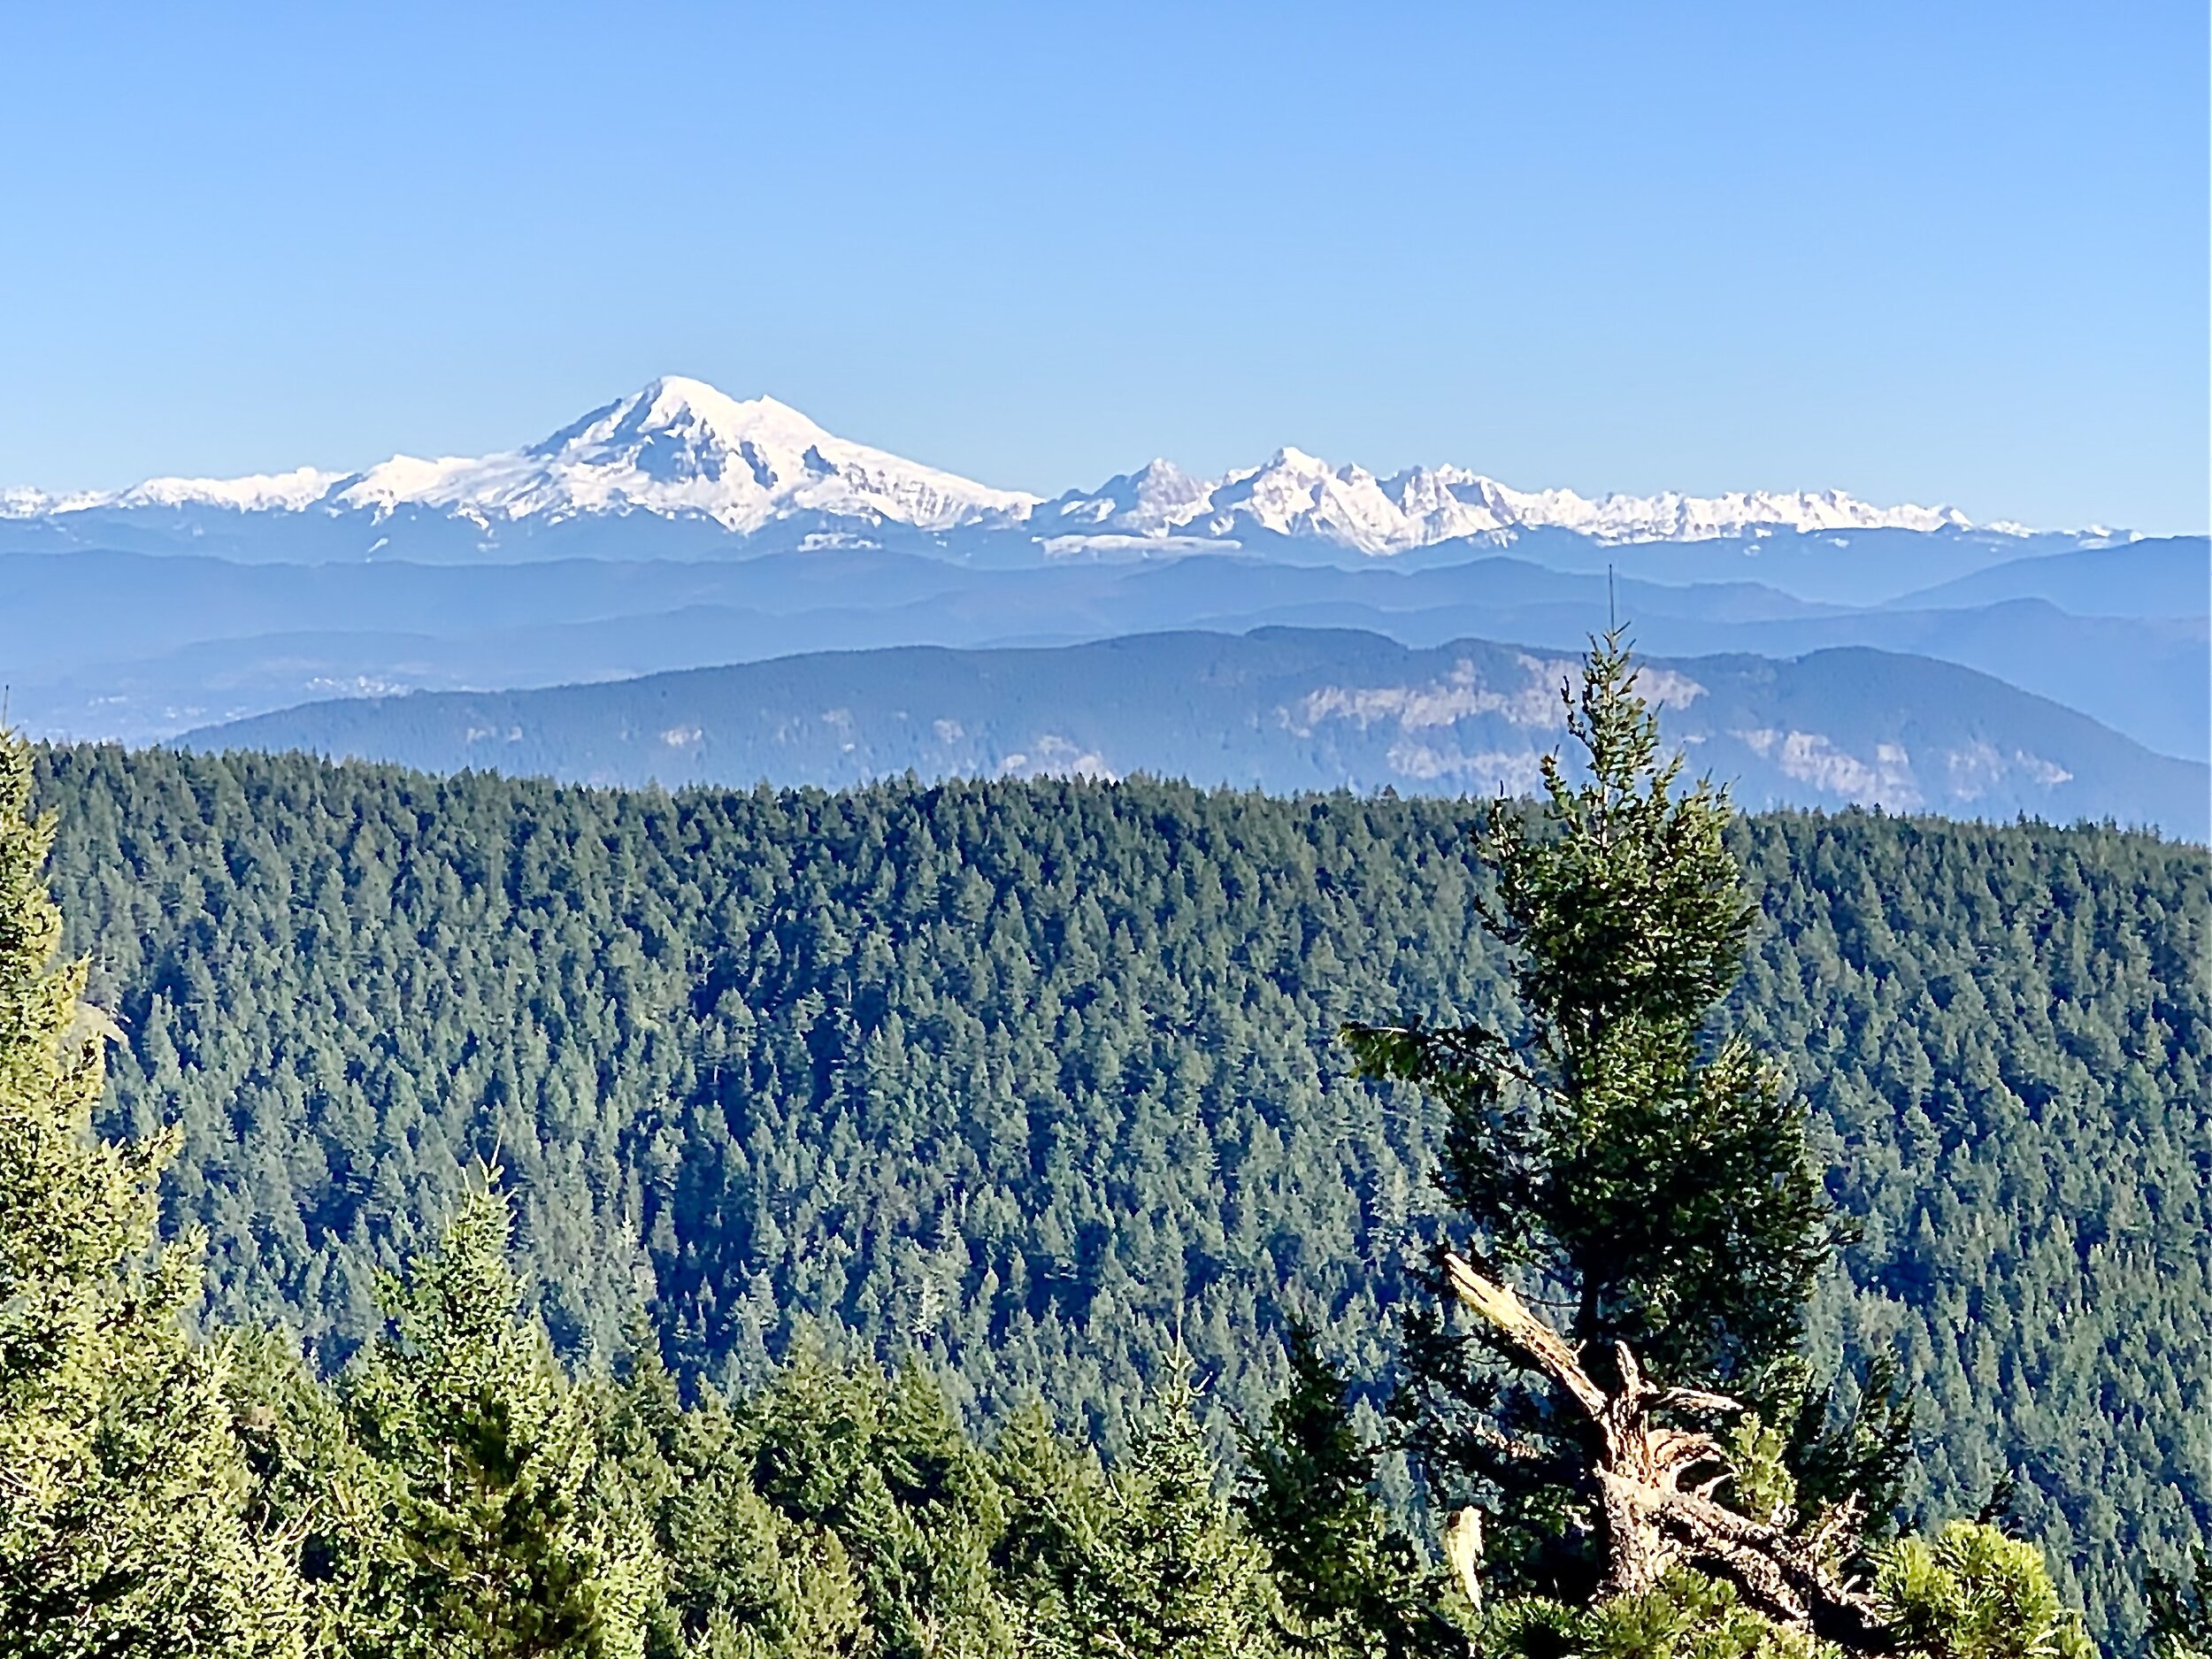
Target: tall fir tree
[(1651, 1181), (1647, 1185), (127, 1528)]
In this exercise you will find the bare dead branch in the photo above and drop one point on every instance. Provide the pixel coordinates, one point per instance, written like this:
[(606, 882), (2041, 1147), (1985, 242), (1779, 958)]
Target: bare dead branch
[(1653, 1522)]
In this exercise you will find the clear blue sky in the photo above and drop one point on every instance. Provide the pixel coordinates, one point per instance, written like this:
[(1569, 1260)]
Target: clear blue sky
[(1952, 251)]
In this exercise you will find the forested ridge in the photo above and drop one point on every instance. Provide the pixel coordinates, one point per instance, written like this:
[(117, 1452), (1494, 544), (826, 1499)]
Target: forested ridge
[(1036, 1077)]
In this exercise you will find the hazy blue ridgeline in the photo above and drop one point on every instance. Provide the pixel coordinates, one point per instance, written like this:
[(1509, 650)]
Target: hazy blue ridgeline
[(182, 639), (1281, 710)]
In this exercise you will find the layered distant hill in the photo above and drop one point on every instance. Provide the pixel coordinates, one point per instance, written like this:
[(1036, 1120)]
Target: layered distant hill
[(173, 642), (1280, 709), (678, 529)]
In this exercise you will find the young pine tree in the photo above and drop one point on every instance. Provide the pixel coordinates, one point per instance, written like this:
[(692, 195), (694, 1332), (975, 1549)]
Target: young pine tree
[(125, 1528), (1608, 1146), (1148, 1562), (504, 1534)]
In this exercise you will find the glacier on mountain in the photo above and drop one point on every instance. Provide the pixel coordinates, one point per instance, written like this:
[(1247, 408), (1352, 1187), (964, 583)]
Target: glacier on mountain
[(681, 448)]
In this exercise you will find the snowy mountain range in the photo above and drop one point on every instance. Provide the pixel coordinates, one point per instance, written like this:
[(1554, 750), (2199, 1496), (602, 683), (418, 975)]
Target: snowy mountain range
[(678, 528), (1300, 495), (681, 450)]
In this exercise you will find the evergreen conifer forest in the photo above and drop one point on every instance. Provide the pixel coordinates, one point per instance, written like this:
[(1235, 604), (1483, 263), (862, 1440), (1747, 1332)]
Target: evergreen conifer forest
[(947, 1219)]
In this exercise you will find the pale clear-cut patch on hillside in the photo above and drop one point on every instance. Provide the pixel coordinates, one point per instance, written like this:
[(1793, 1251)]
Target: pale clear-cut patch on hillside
[(1884, 779), (1053, 755), (1515, 772), (1535, 703), (1980, 769), (1462, 695), (1954, 779)]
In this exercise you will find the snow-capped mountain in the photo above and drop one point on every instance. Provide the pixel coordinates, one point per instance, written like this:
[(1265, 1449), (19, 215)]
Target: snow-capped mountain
[(282, 492), (678, 450), (1297, 495), (678, 447)]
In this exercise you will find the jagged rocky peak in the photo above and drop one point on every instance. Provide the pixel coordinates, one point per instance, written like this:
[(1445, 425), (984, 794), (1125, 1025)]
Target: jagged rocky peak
[(693, 411), (1157, 499)]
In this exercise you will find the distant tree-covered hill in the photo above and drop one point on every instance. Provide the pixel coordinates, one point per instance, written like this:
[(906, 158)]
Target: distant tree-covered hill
[(1277, 709), (183, 640), (1039, 1077)]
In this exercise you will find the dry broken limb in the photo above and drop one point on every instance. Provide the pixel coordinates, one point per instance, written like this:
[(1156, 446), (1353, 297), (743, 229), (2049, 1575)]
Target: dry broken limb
[(1655, 1517)]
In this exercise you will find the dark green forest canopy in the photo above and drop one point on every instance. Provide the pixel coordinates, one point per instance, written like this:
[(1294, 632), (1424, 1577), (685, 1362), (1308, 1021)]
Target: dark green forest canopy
[(1036, 1076)]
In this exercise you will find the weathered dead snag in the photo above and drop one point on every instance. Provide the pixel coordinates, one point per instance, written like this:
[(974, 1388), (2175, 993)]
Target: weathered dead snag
[(1654, 1485)]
